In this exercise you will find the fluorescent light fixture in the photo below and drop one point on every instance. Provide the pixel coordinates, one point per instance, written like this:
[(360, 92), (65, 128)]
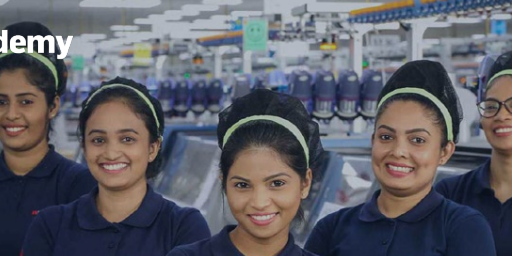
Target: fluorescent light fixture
[(221, 17), (143, 21), (223, 2), (477, 36), (200, 7), (120, 3), (124, 28), (93, 37), (344, 37), (463, 20), (440, 25), (189, 12), (501, 16), (246, 13), (2, 2), (431, 41), (388, 26)]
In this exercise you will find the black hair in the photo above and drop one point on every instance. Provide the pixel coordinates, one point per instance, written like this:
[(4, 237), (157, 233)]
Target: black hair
[(503, 62), (136, 104), (268, 134), (433, 78), (37, 73)]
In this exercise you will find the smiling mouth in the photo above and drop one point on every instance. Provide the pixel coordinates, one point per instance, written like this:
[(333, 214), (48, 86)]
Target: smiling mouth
[(399, 168), (263, 220), (502, 130), (13, 131), (114, 168)]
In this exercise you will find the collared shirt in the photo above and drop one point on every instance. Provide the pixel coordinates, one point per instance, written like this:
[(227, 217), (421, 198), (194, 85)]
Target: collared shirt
[(435, 226), (221, 245), (474, 189), (78, 229), (55, 180)]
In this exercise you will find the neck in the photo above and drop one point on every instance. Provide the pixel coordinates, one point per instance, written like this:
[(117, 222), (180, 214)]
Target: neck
[(116, 206), (249, 245), (22, 162), (501, 175), (392, 206)]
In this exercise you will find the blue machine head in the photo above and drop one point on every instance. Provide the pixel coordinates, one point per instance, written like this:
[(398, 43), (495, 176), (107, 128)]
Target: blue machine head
[(277, 80), (83, 92), (260, 82), (182, 97), (324, 95), (165, 94), (198, 94), (372, 84), (347, 96), (300, 87), (483, 73), (152, 86), (242, 86), (214, 93)]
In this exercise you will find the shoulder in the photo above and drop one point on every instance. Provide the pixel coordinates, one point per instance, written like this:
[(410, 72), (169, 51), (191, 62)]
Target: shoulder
[(200, 248), (455, 214), (341, 216)]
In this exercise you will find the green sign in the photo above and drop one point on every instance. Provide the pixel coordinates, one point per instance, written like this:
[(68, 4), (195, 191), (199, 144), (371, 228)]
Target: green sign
[(78, 62), (255, 35)]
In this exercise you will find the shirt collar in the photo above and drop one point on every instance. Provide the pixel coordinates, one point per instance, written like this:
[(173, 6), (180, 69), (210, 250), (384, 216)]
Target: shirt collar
[(222, 245), (90, 218), (482, 180), (370, 210), (45, 168)]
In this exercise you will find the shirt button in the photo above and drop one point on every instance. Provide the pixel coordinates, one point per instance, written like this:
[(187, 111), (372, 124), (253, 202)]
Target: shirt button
[(116, 230), (384, 242), (111, 245)]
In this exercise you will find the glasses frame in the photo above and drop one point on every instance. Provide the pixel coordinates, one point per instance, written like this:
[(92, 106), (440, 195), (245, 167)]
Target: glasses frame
[(501, 103)]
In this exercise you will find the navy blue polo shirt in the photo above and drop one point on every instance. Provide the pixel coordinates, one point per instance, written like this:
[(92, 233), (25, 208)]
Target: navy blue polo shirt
[(435, 226), (55, 180), (78, 229), (221, 245), (473, 189)]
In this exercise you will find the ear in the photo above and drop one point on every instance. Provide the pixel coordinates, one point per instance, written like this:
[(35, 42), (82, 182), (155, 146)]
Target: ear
[(447, 152), (54, 108), (154, 148), (306, 184)]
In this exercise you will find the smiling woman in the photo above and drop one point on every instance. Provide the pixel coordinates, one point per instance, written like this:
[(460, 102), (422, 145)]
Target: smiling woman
[(270, 151), (416, 128), (120, 128)]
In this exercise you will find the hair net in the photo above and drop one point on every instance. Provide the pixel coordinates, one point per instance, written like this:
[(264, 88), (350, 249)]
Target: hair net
[(433, 78), (266, 102), (503, 62)]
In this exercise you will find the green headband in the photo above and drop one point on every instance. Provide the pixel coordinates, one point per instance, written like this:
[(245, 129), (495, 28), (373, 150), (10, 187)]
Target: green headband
[(43, 60), (432, 98), (281, 121), (501, 73), (148, 102)]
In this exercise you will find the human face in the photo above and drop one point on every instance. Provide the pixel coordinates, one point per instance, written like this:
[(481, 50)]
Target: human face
[(24, 113), (498, 129), (264, 193), (407, 149), (117, 147)]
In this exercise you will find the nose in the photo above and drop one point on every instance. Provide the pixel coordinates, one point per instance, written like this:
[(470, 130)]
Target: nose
[(12, 112), (503, 114), (260, 199), (400, 148), (112, 151)]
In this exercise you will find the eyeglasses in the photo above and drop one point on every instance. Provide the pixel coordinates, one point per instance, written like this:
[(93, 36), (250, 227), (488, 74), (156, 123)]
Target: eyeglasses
[(491, 107)]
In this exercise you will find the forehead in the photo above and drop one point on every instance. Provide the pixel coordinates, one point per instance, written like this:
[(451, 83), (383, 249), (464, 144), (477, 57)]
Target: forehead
[(405, 115), (15, 81), (113, 115), (501, 88), (259, 163)]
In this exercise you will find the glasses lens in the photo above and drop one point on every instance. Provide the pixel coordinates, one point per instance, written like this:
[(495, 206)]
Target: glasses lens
[(488, 108)]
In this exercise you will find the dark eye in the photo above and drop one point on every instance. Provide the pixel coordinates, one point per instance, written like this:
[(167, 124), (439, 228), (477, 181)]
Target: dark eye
[(241, 185), (3, 102), (277, 183), (418, 140), (97, 140), (385, 137), (128, 139), (26, 102)]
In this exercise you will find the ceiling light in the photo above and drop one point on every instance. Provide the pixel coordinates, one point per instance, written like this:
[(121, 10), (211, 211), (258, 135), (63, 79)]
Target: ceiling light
[(223, 2), (501, 16), (463, 20), (246, 13), (201, 7), (124, 28), (387, 26), (93, 37), (120, 3)]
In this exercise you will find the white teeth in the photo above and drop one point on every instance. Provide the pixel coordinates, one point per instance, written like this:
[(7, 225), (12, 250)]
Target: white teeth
[(400, 169), (263, 217), (112, 167), (503, 130), (15, 129)]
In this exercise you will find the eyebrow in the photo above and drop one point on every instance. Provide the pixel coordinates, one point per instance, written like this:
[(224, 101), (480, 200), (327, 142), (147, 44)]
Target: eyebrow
[(406, 132), (20, 95), (119, 131), (266, 179)]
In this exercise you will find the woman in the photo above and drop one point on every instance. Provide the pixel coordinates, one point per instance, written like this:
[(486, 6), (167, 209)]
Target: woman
[(32, 175), (416, 128), (488, 188), (270, 149), (121, 128)]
